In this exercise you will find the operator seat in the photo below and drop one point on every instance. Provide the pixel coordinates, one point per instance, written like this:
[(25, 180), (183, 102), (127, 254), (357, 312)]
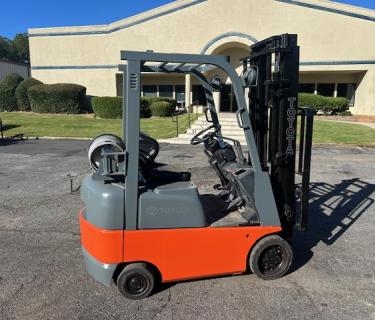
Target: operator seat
[(220, 155)]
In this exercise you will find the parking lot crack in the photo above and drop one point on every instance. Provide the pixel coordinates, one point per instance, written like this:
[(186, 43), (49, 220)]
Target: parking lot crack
[(163, 306)]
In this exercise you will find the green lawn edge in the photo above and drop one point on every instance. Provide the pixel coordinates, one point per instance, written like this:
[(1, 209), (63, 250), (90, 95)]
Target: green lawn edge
[(86, 126)]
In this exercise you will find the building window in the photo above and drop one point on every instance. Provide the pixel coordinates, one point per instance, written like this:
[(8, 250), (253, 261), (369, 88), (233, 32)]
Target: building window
[(347, 90), (307, 87), (180, 93), (166, 91), (326, 89), (150, 90), (199, 96)]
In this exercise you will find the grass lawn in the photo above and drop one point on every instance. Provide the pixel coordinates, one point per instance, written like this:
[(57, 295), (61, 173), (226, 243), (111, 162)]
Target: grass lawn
[(342, 133), (160, 128), (84, 126)]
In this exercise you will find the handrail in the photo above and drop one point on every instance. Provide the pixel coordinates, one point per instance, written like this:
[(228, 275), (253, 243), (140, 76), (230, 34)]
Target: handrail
[(174, 119), (194, 104)]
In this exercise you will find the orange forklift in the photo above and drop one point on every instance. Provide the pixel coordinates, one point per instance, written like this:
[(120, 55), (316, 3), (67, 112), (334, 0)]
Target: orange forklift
[(141, 225)]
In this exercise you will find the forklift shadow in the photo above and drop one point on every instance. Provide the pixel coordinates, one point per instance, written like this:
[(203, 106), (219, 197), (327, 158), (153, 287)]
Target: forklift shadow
[(6, 141), (333, 210), (161, 287)]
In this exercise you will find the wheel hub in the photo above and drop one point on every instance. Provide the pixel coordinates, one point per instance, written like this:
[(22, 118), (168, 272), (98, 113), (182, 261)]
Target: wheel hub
[(272, 259), (136, 284)]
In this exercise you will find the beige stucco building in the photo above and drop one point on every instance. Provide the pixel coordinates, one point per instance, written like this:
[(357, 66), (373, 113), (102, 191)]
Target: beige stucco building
[(337, 46)]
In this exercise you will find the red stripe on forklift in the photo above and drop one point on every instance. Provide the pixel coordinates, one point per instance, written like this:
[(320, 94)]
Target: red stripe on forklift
[(181, 254), (103, 245)]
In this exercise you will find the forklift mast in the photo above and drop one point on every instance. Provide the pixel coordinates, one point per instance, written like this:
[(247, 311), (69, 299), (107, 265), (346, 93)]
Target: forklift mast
[(273, 110)]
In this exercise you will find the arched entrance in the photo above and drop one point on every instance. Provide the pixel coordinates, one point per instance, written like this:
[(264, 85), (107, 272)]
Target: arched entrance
[(235, 52)]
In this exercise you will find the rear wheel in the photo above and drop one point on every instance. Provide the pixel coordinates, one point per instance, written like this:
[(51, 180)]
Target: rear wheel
[(136, 281), (271, 258)]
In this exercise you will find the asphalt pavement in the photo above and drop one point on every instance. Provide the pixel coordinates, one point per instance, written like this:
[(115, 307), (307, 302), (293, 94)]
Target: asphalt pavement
[(42, 275)]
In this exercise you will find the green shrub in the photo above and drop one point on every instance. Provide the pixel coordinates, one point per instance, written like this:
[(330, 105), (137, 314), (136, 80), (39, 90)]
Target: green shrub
[(107, 107), (326, 105), (88, 104), (162, 108), (148, 104), (21, 93), (345, 113), (172, 101), (145, 109), (311, 100), (8, 101), (57, 98), (111, 107), (149, 100), (335, 105)]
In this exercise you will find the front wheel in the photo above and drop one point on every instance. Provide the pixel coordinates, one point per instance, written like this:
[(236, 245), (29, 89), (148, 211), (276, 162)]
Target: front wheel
[(271, 257), (136, 281)]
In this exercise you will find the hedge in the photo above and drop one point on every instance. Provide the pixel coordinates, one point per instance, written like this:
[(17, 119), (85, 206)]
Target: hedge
[(57, 98), (336, 105), (107, 107), (148, 101), (21, 93), (162, 108), (326, 105), (8, 101), (151, 100), (145, 109), (111, 107)]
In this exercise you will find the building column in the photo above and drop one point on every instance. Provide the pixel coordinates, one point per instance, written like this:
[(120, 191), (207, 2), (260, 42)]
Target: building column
[(188, 95), (335, 92), (316, 89)]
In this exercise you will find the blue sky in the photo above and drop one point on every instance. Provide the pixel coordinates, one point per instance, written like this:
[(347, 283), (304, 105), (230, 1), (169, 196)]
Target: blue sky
[(19, 15)]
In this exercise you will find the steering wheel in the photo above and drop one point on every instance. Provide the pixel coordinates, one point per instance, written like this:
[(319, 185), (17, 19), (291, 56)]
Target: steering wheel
[(197, 140)]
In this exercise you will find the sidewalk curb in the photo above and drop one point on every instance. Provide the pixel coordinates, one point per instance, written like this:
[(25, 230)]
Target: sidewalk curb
[(57, 138)]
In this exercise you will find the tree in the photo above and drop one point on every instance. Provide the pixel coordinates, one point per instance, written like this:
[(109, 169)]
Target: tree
[(6, 49), (16, 50), (21, 47)]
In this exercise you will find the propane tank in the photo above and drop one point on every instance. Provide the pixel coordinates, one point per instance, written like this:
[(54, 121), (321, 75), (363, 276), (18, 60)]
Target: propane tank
[(108, 143)]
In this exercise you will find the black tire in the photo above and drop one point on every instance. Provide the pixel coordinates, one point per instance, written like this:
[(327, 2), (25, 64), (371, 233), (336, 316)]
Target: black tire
[(136, 281), (271, 258)]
